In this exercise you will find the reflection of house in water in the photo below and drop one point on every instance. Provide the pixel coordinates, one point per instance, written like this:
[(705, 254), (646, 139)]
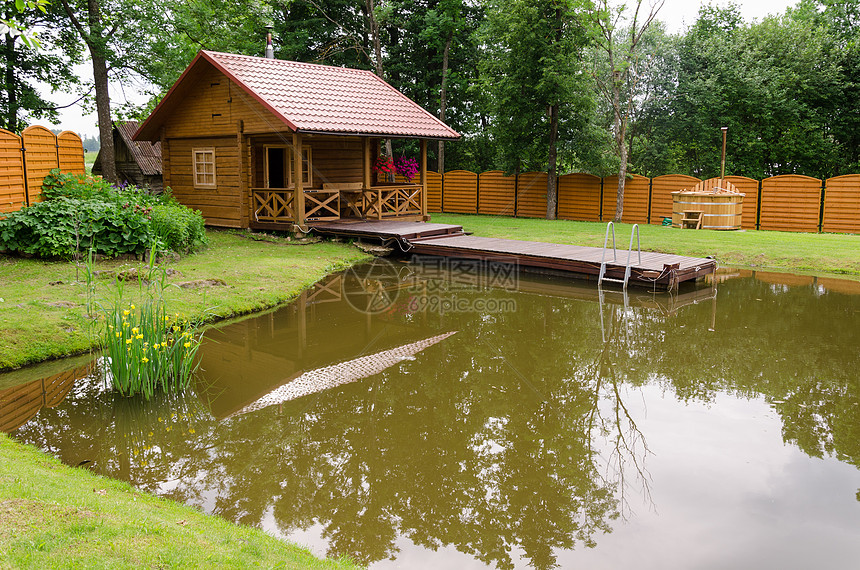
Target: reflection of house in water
[(243, 361), (19, 404), (322, 340)]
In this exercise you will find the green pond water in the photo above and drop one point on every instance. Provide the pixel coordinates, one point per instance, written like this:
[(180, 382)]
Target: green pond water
[(426, 415)]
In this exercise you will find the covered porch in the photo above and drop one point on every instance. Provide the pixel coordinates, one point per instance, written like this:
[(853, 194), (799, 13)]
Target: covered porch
[(299, 178)]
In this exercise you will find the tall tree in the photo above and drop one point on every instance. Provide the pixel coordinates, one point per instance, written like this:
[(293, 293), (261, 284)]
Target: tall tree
[(26, 63), (534, 73), (619, 77), (96, 31)]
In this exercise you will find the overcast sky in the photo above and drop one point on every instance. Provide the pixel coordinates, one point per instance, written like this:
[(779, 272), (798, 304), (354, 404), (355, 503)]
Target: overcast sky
[(677, 14)]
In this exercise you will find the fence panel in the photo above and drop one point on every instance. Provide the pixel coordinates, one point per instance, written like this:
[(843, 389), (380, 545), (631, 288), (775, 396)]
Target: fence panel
[(661, 194), (790, 203), (579, 197), (531, 195), (460, 192), (635, 199), (70, 150), (12, 191), (434, 191), (842, 204), (40, 157), (497, 196), (749, 187)]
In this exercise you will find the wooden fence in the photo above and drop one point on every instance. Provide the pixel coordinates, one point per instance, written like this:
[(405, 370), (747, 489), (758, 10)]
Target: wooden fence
[(784, 203), (26, 159)]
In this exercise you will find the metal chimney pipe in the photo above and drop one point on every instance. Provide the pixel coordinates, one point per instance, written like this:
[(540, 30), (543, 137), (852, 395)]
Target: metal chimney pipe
[(723, 162), (270, 51)]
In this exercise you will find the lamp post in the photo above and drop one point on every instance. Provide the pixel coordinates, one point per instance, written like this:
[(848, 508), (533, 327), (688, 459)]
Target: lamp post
[(723, 162)]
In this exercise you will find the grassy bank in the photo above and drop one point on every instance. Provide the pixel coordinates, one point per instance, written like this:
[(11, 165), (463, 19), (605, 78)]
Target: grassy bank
[(54, 516), (780, 251), (43, 303)]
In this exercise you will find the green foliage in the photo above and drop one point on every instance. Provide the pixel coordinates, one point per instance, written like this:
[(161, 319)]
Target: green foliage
[(35, 52), (180, 229), (82, 212), (63, 227), (146, 349), (534, 61)]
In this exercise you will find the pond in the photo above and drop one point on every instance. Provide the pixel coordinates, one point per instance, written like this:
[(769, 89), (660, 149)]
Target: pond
[(437, 414)]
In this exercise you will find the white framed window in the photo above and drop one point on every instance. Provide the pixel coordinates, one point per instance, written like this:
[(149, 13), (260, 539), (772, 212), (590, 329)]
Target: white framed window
[(203, 161)]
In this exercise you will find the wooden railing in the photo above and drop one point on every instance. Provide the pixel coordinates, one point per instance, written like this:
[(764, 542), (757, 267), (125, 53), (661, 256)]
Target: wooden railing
[(392, 201), (277, 205)]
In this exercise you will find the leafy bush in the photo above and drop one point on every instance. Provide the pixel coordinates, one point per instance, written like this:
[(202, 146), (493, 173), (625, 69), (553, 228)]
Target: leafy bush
[(64, 226), (83, 187), (179, 228), (82, 212)]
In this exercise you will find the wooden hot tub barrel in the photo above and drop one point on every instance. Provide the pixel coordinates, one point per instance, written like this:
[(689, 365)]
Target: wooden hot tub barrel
[(719, 211)]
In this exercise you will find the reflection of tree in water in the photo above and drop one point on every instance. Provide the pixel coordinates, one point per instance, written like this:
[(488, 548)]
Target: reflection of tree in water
[(493, 447), (628, 448)]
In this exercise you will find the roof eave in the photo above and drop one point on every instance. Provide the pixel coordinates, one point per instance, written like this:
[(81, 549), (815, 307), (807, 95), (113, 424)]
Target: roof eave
[(378, 135)]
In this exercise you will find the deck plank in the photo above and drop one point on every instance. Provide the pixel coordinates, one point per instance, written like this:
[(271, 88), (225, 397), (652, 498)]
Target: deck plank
[(450, 241)]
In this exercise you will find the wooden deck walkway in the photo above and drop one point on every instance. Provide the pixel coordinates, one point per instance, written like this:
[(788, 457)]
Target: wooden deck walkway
[(655, 270)]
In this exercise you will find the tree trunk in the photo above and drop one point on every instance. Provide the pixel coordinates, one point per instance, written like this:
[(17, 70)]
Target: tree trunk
[(443, 95), (552, 167), (100, 78), (11, 119), (373, 24), (620, 136)]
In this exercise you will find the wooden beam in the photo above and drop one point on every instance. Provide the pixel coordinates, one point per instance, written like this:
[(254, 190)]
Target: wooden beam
[(165, 160), (424, 180), (244, 174), (366, 164), (299, 200)]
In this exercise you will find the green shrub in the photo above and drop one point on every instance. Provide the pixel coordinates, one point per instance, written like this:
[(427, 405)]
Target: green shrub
[(145, 350), (82, 187), (82, 212), (63, 226), (179, 228)]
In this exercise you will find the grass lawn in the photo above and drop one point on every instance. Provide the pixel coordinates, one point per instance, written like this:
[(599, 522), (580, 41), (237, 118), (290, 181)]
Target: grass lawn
[(54, 516), (780, 251), (42, 304)]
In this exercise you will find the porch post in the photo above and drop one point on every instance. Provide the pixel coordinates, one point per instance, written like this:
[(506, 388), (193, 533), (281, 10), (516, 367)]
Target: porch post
[(365, 165), (299, 200), (424, 180), (244, 174)]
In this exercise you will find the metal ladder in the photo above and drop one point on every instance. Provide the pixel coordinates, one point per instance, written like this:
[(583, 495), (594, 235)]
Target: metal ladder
[(602, 277)]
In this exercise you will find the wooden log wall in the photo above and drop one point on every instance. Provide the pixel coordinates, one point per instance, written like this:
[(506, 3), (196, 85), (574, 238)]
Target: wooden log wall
[(25, 161), (782, 203), (221, 205)]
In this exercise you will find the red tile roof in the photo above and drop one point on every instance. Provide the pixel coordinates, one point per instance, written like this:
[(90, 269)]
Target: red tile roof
[(324, 99)]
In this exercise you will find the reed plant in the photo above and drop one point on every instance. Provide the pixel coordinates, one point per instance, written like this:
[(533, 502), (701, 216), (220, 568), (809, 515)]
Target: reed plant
[(145, 349)]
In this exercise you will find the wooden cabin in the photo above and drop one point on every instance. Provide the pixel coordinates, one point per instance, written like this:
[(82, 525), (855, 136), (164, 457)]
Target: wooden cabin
[(137, 162), (273, 144)]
